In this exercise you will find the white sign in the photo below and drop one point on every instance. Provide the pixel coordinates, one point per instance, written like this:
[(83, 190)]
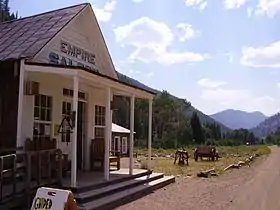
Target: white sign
[(50, 199)]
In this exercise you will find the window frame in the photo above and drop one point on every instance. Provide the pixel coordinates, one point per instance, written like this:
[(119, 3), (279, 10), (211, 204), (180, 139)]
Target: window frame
[(40, 122), (101, 124)]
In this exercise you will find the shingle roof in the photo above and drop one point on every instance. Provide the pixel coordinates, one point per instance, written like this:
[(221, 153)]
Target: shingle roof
[(25, 37)]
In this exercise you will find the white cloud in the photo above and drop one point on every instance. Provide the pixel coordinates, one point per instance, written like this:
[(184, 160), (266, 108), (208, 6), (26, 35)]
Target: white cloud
[(186, 31), (268, 7), (104, 14), (241, 99), (234, 4), (265, 56), (250, 11), (278, 84), (200, 4), (208, 83), (152, 41), (137, 1)]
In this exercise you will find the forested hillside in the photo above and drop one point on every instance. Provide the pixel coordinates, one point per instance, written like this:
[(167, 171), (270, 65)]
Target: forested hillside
[(268, 126), (175, 122)]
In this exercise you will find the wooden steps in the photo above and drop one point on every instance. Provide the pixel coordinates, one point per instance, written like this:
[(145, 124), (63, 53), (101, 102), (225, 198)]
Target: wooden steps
[(119, 193)]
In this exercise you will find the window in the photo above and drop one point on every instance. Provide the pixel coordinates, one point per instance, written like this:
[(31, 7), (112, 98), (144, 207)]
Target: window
[(66, 112), (70, 93), (100, 115), (99, 128), (124, 145), (42, 117)]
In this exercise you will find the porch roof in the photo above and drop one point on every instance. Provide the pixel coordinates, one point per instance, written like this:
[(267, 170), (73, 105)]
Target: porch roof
[(119, 129), (91, 75)]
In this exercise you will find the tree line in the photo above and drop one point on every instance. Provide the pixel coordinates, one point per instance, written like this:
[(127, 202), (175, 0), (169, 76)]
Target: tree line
[(5, 13), (172, 127), (273, 138)]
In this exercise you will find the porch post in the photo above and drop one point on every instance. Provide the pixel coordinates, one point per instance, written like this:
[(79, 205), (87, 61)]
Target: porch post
[(108, 135), (74, 134), (150, 134), (20, 102), (131, 141)]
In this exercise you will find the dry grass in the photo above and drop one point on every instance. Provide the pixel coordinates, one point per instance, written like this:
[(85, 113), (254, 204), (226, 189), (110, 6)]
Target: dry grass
[(230, 155)]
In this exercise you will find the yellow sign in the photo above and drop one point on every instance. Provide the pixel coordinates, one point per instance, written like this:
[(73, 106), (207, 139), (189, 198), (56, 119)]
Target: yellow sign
[(43, 204), (56, 128)]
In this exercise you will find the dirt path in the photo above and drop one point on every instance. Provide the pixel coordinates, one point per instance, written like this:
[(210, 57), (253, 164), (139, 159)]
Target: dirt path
[(257, 187)]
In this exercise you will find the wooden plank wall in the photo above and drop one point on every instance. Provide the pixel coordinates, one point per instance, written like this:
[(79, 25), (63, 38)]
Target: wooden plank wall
[(9, 88)]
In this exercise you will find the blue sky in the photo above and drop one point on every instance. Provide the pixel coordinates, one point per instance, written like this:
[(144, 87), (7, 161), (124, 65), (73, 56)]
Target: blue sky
[(218, 54)]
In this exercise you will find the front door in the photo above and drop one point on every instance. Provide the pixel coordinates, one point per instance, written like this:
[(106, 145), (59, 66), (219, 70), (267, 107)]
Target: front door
[(81, 135)]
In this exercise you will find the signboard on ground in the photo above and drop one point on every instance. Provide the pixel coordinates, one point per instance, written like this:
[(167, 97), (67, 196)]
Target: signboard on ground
[(50, 199)]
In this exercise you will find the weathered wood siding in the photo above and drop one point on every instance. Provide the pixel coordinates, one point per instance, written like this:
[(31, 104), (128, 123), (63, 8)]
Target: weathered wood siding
[(9, 87)]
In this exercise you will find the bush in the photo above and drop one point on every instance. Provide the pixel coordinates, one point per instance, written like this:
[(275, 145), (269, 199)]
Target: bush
[(263, 150)]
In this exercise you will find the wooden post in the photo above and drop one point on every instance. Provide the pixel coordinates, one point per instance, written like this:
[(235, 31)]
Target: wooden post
[(108, 134), (150, 134), (131, 141), (59, 170), (28, 176), (74, 135), (20, 102)]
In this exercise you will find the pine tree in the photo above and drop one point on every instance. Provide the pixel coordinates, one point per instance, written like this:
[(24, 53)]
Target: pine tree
[(5, 14), (197, 130)]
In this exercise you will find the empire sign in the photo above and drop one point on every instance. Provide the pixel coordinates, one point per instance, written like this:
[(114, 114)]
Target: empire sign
[(75, 52)]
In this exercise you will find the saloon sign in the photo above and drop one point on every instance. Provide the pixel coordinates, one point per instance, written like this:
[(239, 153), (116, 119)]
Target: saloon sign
[(69, 51)]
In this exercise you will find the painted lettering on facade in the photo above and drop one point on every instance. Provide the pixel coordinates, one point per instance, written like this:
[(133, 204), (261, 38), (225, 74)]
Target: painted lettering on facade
[(57, 59), (85, 59), (77, 52)]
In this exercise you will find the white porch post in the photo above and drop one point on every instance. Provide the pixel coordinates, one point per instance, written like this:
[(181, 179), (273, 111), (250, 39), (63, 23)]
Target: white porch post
[(108, 135), (150, 134), (21, 73), (131, 141), (74, 134)]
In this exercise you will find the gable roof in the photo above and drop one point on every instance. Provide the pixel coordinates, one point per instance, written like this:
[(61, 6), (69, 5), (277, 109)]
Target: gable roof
[(24, 38)]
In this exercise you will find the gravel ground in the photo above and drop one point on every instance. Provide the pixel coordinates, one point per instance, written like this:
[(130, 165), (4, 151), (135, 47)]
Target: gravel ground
[(255, 187)]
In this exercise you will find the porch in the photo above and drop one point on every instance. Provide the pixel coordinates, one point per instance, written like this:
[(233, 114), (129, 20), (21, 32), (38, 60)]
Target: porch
[(87, 92), (95, 179), (96, 193)]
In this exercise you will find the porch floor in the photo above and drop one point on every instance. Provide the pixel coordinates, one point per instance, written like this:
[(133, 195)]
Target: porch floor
[(85, 179)]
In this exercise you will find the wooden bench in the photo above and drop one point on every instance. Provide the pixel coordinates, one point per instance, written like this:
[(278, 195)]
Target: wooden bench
[(97, 155)]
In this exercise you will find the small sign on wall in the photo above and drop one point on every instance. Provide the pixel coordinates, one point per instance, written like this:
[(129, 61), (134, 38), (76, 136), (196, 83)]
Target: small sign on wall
[(56, 129)]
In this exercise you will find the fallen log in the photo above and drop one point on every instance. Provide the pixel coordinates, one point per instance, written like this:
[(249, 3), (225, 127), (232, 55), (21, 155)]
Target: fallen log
[(232, 166), (207, 173)]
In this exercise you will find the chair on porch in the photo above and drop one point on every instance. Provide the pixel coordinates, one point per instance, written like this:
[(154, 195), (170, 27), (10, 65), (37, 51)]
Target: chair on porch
[(97, 155)]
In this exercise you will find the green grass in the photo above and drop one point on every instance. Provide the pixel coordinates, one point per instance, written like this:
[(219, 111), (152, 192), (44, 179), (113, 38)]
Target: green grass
[(229, 155)]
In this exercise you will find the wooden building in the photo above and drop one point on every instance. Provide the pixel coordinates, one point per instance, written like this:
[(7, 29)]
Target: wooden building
[(56, 66), (120, 140)]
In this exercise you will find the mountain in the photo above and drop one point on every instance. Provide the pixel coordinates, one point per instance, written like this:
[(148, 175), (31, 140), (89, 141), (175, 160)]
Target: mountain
[(202, 117), (236, 119), (207, 119), (268, 126)]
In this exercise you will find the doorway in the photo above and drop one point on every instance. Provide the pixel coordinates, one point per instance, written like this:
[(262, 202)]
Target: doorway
[(81, 135)]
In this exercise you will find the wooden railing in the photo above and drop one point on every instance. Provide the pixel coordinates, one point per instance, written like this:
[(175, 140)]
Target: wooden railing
[(22, 173)]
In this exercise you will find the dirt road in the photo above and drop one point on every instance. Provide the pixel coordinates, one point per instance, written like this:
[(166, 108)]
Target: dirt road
[(257, 187)]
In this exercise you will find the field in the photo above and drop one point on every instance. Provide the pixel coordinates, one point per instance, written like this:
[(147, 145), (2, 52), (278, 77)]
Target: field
[(162, 160)]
